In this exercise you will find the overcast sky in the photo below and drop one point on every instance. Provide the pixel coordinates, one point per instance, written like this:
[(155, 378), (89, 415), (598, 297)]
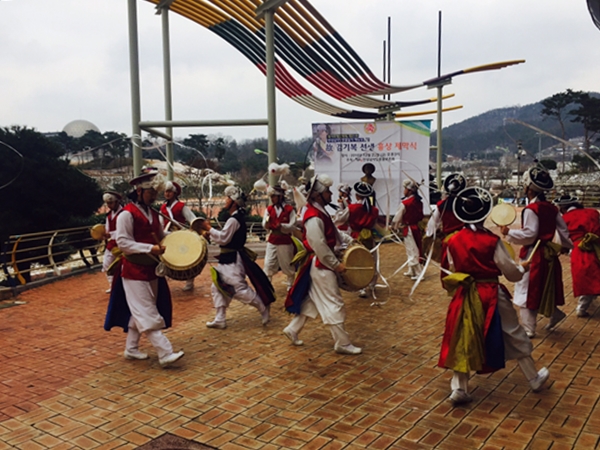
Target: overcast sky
[(63, 60)]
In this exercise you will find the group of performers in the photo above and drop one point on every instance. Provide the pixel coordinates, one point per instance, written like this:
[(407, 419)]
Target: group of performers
[(482, 329)]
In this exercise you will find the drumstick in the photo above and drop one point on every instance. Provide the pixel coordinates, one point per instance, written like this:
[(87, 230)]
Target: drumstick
[(533, 251)]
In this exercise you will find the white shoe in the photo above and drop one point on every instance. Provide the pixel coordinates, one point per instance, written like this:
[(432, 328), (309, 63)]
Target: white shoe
[(347, 349), (530, 334), (362, 293), (189, 285), (217, 325), (266, 315), (170, 359), (415, 277), (556, 317), (582, 313), (408, 274), (108, 291), (460, 397), (538, 382), (135, 354), (293, 337)]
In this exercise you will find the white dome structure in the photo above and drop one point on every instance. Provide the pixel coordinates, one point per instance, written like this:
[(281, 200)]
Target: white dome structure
[(77, 128)]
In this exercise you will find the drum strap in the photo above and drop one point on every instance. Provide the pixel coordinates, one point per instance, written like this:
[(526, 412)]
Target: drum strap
[(226, 253), (141, 258)]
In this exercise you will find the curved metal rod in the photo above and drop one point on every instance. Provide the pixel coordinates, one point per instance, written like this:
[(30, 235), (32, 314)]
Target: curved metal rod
[(55, 268), (14, 262)]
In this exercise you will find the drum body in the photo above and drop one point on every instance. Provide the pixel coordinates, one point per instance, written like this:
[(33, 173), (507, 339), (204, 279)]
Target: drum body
[(185, 255), (360, 268)]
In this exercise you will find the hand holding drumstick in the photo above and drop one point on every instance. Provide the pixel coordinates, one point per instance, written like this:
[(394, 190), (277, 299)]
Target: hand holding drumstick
[(157, 249)]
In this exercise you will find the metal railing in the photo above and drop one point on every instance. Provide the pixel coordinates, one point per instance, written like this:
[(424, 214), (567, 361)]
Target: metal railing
[(28, 257)]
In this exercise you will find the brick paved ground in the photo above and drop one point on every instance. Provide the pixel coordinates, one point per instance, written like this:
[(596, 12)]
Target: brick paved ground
[(64, 383)]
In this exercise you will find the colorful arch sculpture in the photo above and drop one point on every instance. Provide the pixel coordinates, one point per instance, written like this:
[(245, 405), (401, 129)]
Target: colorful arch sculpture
[(309, 45)]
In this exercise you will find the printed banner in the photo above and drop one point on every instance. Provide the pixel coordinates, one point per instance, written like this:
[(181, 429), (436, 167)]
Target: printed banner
[(383, 154)]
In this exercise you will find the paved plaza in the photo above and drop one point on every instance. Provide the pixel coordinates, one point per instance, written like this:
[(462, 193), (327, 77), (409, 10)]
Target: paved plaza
[(64, 383)]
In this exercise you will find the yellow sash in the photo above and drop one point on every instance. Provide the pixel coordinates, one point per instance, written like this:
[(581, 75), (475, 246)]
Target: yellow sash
[(466, 350), (590, 243), (548, 301)]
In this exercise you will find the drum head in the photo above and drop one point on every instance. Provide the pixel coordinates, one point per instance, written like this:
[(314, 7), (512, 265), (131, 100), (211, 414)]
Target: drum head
[(97, 231), (360, 267), (503, 214), (184, 249)]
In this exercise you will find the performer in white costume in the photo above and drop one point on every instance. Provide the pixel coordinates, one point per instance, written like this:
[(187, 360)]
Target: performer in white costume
[(541, 221), (315, 290), (482, 329), (138, 235), (280, 220), (234, 266), (113, 201), (406, 219)]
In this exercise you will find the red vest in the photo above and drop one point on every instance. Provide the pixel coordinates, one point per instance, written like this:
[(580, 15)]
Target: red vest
[(330, 230), (414, 210), (412, 216), (538, 271), (359, 218), (473, 253), (585, 266), (176, 211), (144, 232), (450, 223), (276, 236), (111, 226)]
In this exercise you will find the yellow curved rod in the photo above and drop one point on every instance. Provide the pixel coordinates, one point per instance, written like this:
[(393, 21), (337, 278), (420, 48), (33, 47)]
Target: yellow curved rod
[(494, 66), (13, 260), (423, 113)]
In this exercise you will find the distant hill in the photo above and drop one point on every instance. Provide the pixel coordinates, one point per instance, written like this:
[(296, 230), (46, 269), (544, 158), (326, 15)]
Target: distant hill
[(483, 133)]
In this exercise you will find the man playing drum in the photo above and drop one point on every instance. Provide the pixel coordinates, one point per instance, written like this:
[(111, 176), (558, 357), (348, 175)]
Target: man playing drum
[(235, 264), (361, 218), (407, 218), (280, 220), (113, 201), (541, 289), (179, 212), (141, 302), (315, 290), (584, 229), (482, 329)]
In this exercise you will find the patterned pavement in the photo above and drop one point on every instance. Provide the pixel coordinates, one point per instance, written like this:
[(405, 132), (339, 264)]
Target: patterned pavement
[(64, 383)]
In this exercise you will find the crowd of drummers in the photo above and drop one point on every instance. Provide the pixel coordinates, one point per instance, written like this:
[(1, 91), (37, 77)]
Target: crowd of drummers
[(485, 326)]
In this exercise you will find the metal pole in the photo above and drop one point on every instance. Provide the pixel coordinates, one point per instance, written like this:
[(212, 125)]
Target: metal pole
[(384, 66), (271, 112), (438, 171), (389, 54), (134, 73), (167, 82)]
